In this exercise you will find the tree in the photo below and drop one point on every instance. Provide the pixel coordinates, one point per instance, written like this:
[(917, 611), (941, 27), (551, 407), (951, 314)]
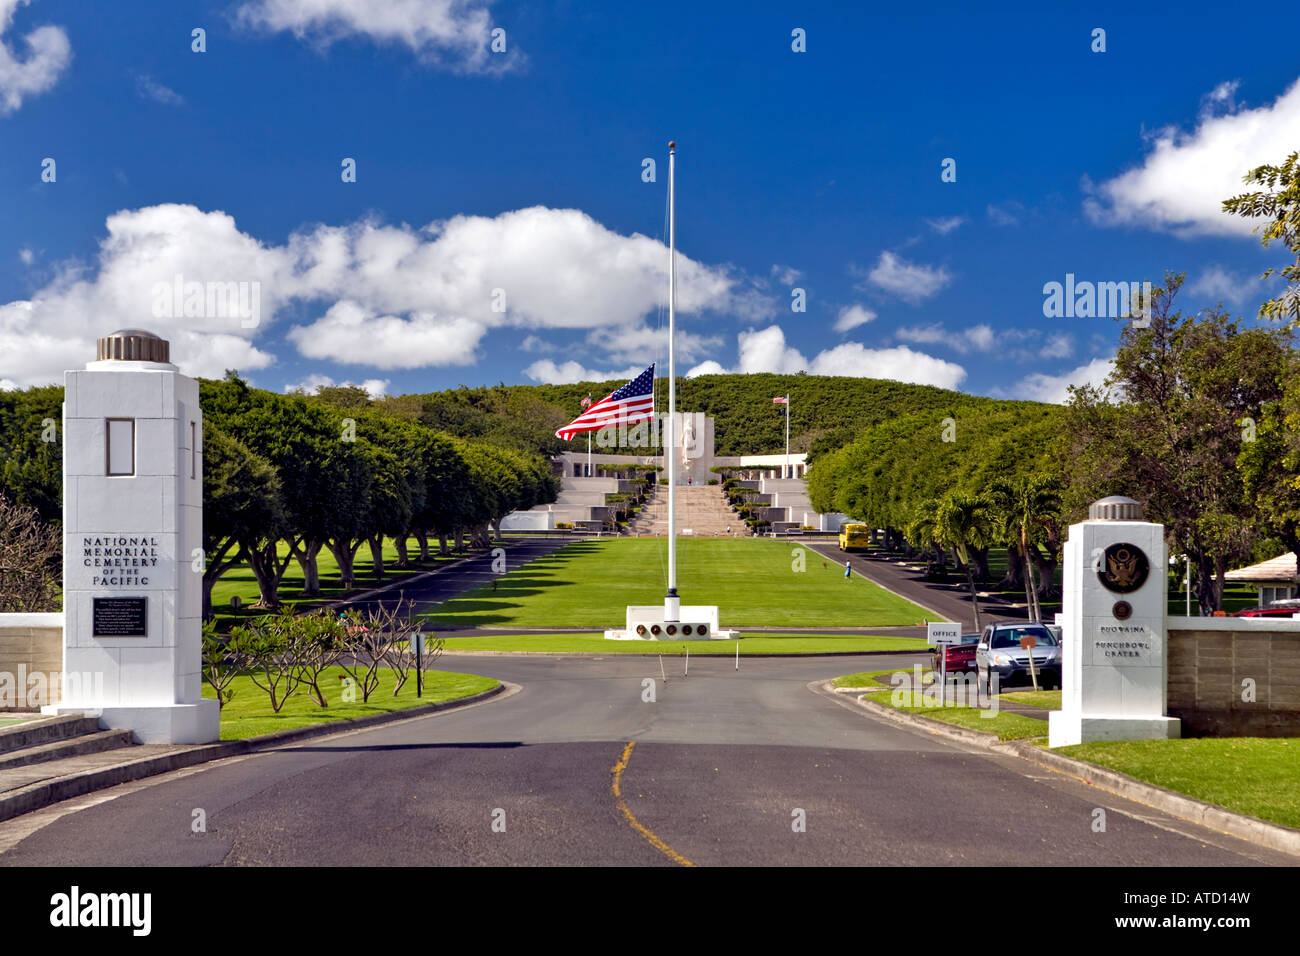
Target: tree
[(1171, 432), (964, 523), (1280, 202), (30, 552), (242, 508), (1027, 511), (31, 449)]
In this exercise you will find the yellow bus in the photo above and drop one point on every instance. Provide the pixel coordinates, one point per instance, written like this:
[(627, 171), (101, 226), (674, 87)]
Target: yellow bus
[(855, 537)]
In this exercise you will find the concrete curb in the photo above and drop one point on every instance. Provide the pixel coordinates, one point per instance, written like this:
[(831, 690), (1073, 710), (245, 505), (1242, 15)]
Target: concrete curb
[(38, 795), (1272, 836)]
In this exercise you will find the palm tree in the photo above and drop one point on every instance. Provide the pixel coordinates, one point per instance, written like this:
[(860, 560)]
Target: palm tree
[(1024, 509), (922, 531), (964, 522)]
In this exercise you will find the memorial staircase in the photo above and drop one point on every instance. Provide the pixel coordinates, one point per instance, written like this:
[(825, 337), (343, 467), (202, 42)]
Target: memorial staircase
[(702, 511)]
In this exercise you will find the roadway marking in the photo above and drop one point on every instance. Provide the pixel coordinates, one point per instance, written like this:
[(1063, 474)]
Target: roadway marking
[(640, 828)]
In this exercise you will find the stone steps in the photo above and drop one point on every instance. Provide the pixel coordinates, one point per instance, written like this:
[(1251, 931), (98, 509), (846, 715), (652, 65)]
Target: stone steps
[(700, 510)]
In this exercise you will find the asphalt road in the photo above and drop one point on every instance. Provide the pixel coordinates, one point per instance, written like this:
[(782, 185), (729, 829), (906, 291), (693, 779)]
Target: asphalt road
[(951, 601), (725, 763)]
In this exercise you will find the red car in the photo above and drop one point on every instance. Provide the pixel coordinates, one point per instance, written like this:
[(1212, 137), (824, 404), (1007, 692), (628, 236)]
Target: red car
[(1283, 608), (961, 656)]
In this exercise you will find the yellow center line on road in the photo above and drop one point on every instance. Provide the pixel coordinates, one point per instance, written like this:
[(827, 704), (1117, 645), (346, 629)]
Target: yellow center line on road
[(653, 840)]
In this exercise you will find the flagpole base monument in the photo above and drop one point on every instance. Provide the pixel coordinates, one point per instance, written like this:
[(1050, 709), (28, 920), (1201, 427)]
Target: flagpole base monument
[(1114, 685), (133, 544)]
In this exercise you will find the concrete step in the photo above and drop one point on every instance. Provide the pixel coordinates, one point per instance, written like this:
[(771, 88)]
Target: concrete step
[(71, 747), (34, 733)]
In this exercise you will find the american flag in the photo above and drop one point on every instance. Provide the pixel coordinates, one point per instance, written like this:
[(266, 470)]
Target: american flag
[(634, 402), (781, 400)]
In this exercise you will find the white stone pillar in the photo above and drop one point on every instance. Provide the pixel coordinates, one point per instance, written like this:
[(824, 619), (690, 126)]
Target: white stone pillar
[(133, 544), (1114, 605)]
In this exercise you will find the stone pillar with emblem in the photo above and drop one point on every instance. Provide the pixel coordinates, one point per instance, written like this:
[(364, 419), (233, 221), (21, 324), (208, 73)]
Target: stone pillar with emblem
[(133, 544), (1114, 604)]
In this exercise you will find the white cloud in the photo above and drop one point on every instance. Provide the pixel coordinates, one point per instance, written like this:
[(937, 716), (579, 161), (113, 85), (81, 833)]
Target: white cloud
[(786, 275), (384, 296), (1040, 387), (976, 338), (351, 333), (452, 33), (1223, 98), (1185, 176), (766, 351), (946, 225), (852, 316), (645, 344), (1217, 284), (49, 54), (27, 256), (899, 364), (150, 89), (1008, 214), (375, 387), (1058, 346), (532, 343), (909, 281), (707, 368), (548, 373)]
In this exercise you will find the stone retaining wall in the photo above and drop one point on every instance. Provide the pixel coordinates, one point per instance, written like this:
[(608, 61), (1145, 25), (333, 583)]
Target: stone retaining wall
[(30, 645), (1210, 661)]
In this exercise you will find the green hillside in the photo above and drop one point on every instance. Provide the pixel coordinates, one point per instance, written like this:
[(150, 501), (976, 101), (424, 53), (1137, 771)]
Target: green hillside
[(826, 411)]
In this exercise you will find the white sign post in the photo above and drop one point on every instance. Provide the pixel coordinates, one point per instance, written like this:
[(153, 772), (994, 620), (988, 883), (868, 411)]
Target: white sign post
[(941, 634)]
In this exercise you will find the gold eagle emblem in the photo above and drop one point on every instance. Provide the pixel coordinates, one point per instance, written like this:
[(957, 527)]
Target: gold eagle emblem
[(1123, 567)]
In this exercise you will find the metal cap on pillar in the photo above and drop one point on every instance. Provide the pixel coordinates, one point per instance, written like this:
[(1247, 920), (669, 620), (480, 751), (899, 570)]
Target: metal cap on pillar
[(133, 345), (1116, 508)]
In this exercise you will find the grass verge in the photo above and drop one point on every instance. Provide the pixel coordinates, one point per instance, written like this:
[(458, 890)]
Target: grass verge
[(249, 713), (1005, 725), (1257, 776), (1047, 699)]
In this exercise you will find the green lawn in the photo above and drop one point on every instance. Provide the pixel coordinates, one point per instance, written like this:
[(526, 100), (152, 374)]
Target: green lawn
[(865, 679), (751, 580), (240, 581), (1251, 775), (754, 644), (1006, 726), (249, 714), (1047, 699)]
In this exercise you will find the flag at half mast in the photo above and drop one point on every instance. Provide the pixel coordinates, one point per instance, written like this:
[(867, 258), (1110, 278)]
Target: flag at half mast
[(634, 402)]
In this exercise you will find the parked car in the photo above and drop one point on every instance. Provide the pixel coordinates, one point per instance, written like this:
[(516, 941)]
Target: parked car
[(961, 656), (1283, 608), (999, 651)]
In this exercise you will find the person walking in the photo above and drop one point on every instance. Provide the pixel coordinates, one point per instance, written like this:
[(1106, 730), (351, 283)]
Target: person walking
[(847, 570)]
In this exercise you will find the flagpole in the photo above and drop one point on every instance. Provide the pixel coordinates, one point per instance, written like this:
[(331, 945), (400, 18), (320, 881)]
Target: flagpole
[(589, 474), (672, 603), (787, 436)]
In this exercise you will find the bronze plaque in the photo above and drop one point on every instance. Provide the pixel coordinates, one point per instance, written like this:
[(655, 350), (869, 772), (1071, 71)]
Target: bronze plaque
[(120, 617), (1124, 568)]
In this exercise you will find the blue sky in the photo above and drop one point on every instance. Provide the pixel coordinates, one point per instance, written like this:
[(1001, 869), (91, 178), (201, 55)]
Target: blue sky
[(499, 228)]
